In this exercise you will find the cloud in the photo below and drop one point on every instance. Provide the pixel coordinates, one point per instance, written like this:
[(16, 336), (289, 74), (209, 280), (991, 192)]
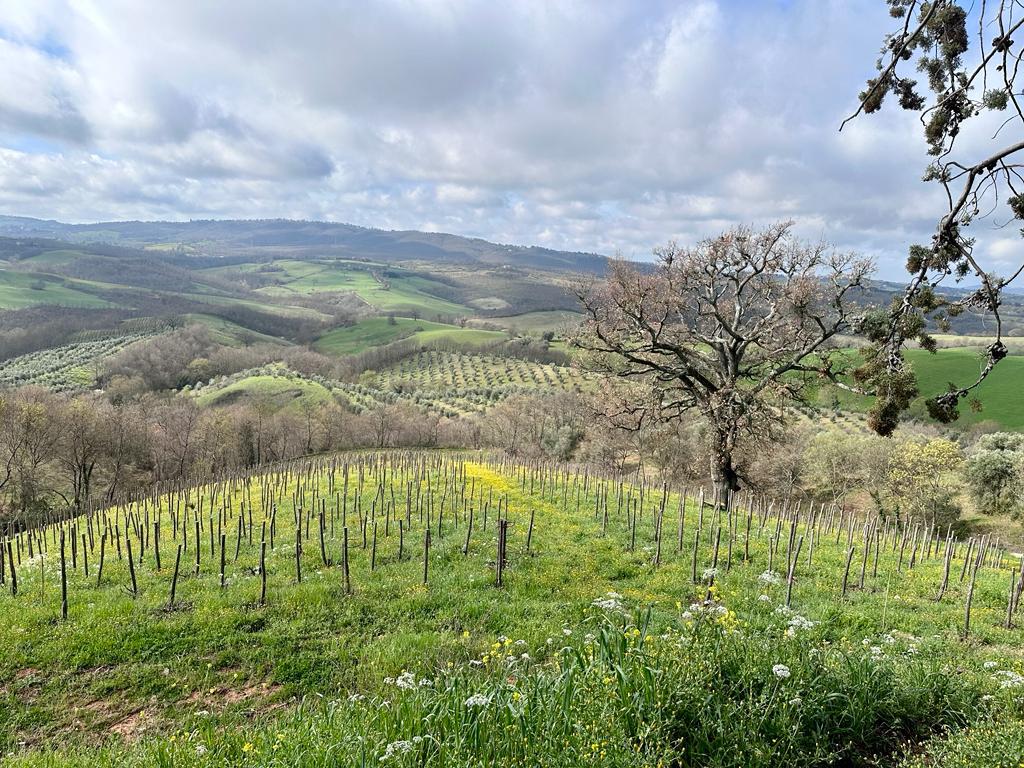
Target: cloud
[(607, 127)]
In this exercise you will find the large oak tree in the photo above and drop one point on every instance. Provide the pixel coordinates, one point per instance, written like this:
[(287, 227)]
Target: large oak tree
[(728, 329)]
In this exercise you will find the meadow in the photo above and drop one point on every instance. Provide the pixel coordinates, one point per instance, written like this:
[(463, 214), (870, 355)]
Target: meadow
[(377, 331), (434, 608)]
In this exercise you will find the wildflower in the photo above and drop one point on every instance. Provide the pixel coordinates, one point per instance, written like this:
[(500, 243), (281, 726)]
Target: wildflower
[(796, 701), (1008, 679), (396, 748), (248, 747), (781, 671), (200, 749), (709, 574), (770, 577), (765, 598), (990, 664), (607, 603), (478, 700), (566, 631)]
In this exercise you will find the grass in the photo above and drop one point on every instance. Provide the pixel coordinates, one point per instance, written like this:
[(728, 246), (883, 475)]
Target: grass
[(640, 678), (556, 320), (378, 331), (283, 390), (231, 334), (387, 289), (25, 289), (999, 394)]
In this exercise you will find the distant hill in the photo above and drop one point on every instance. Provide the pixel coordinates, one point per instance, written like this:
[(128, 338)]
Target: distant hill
[(276, 237)]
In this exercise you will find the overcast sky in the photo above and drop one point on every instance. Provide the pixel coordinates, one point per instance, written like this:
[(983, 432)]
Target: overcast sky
[(600, 126)]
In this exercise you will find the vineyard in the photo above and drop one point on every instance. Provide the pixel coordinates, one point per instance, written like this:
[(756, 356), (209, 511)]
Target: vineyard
[(436, 609), (66, 368)]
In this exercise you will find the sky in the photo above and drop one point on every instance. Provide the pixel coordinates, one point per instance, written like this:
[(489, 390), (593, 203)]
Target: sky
[(606, 126)]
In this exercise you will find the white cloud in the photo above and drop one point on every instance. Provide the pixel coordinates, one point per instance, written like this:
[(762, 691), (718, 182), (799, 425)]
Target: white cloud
[(606, 126)]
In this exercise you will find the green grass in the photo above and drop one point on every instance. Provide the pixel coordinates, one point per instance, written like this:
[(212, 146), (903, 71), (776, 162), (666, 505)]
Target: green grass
[(643, 680), (231, 334), (57, 258), (24, 289), (401, 293), (999, 394), (556, 320), (377, 331), (283, 390)]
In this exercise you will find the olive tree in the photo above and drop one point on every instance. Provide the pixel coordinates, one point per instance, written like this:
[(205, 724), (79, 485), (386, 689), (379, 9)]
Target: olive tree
[(727, 329)]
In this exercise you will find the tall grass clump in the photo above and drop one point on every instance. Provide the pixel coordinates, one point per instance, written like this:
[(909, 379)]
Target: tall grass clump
[(615, 690)]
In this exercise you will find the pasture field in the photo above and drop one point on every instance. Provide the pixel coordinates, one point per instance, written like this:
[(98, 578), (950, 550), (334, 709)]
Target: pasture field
[(999, 394), (273, 384), (26, 289), (377, 331), (556, 320), (432, 609), (387, 289), (231, 334)]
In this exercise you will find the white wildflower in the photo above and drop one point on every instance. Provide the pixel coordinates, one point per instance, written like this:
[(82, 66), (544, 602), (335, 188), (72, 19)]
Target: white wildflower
[(478, 700), (396, 748), (781, 671), (770, 577), (406, 680)]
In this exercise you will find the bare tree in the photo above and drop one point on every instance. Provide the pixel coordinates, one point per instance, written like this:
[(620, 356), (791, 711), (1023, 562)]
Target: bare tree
[(966, 80), (724, 329)]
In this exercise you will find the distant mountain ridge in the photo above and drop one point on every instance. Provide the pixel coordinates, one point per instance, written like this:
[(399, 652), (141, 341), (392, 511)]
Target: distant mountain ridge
[(231, 236)]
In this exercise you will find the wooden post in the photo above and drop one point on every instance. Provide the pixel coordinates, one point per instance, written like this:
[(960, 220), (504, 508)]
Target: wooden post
[(131, 563), (426, 552), (174, 579), (344, 560), (63, 580), (846, 571), (263, 572)]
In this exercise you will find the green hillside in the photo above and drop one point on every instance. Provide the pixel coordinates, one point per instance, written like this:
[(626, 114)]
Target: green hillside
[(27, 289), (377, 331), (606, 643)]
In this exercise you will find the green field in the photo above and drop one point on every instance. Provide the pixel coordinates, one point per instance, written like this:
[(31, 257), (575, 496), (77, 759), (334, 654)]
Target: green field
[(601, 648), (377, 331), (999, 394), (556, 320), (283, 389), (230, 334), (24, 289), (384, 288)]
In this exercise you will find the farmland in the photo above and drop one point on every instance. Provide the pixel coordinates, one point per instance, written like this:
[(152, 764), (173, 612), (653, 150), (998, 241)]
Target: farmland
[(777, 646), (377, 331), (24, 289), (999, 394), (70, 367)]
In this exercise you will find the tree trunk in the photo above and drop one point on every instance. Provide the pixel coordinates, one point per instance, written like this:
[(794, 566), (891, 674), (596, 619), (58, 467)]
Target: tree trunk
[(723, 472)]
